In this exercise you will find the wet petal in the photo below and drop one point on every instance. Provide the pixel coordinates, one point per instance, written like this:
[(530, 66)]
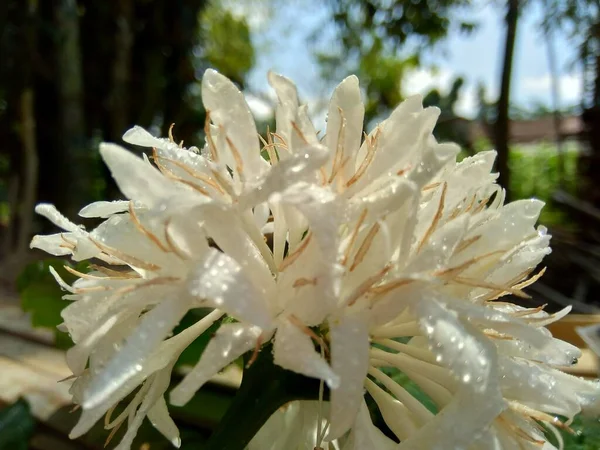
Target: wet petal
[(229, 343), (294, 350)]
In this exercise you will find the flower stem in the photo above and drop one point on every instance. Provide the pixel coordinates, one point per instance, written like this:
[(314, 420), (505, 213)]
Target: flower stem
[(264, 389)]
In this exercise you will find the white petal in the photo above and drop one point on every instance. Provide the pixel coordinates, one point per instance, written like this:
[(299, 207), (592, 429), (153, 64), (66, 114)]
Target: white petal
[(219, 280), (287, 108), (478, 400), (161, 420), (160, 383), (230, 342), (350, 361), (228, 109), (154, 327), (53, 244), (139, 136), (136, 179), (345, 104), (51, 213), (104, 209), (293, 350)]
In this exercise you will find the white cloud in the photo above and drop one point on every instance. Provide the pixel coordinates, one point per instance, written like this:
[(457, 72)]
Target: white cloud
[(569, 87), (422, 80)]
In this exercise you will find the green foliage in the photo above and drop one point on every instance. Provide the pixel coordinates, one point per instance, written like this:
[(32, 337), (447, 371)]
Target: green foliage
[(41, 296), (585, 436), (227, 42), (16, 426), (535, 173)]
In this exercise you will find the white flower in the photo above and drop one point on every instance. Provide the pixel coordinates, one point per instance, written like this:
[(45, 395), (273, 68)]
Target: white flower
[(385, 253)]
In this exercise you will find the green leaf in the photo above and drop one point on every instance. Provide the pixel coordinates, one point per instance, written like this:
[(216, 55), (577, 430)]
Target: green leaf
[(41, 296), (16, 426)]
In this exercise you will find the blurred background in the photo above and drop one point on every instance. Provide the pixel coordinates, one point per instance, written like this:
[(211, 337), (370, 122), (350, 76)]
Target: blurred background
[(520, 76)]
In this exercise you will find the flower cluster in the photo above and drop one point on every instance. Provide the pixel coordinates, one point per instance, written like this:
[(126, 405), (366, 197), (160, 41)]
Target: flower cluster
[(351, 254)]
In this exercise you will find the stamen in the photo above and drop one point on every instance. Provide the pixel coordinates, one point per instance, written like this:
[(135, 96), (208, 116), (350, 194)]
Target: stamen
[(388, 287), (306, 330), (339, 151), (171, 138), (239, 163), (371, 148), (115, 273), (361, 219), (130, 260), (87, 276), (365, 246), (438, 215), (214, 155), (144, 230), (172, 246), (364, 287), (169, 173), (299, 132), (466, 243), (304, 282), (531, 280), (292, 257), (200, 176), (257, 345), (485, 285)]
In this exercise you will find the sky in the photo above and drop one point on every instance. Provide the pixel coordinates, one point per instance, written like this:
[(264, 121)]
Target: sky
[(281, 39)]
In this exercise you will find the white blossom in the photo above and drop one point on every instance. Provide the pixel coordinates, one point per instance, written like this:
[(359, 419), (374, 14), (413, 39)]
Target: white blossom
[(386, 253)]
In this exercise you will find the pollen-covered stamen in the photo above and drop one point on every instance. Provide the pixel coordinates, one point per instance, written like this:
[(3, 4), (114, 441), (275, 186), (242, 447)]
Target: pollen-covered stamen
[(366, 162), (405, 170), (466, 243), (169, 173), (353, 236), (339, 150), (200, 176), (269, 147), (531, 280), (115, 274), (214, 155), (454, 271), (436, 218), (528, 312), (128, 259), (430, 186), (239, 163), (171, 243), (492, 286), (258, 344), (88, 276), (67, 244), (497, 335), (292, 257), (365, 246), (299, 132), (306, 330), (304, 282), (153, 238), (511, 428), (364, 287), (144, 284), (386, 288), (534, 414)]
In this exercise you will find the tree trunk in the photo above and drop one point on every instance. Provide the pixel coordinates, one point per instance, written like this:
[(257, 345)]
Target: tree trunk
[(75, 156), (502, 119)]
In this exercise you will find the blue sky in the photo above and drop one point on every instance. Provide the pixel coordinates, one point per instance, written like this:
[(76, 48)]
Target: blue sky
[(281, 40)]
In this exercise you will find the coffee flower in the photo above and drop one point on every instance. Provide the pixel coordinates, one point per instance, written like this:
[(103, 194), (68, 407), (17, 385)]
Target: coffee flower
[(386, 254)]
